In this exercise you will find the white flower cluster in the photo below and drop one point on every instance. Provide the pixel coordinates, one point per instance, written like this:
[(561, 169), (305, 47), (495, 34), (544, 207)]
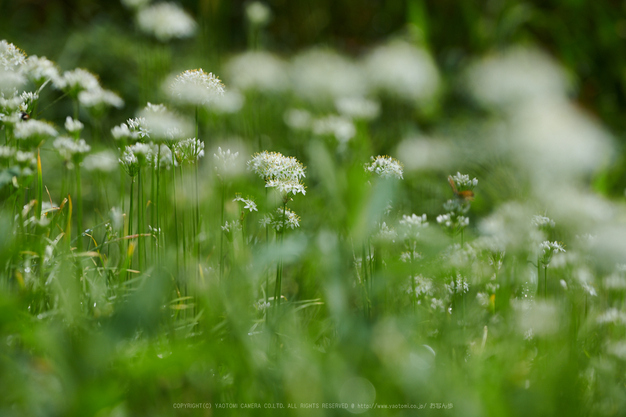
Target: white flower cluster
[(160, 123), (460, 286), (423, 286), (133, 129), (70, 149), (11, 57), (463, 182), (225, 162), (73, 126), (549, 249), (340, 127), (542, 222), (358, 107), (290, 219), (188, 150), (166, 21), (104, 161), (195, 87), (248, 203), (282, 172), (257, 70), (39, 70), (386, 167), (414, 221), (34, 130), (258, 14)]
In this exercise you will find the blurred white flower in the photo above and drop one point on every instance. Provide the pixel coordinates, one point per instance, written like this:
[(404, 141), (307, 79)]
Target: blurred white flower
[(230, 102), (340, 127), (402, 70), (298, 119), (70, 149), (358, 107), (257, 70), (166, 21), (515, 76), (424, 153), (34, 129), (104, 161), (135, 4), (321, 75), (281, 172), (226, 162), (73, 126), (40, 70), (99, 97), (248, 203), (258, 14), (194, 87), (542, 222), (412, 225), (163, 124), (11, 57), (77, 80)]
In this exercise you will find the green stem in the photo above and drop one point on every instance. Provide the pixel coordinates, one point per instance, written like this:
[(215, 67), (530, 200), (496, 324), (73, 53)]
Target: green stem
[(79, 208), (222, 234)]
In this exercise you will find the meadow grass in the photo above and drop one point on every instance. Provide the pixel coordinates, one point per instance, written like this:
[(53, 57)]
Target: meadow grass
[(295, 268)]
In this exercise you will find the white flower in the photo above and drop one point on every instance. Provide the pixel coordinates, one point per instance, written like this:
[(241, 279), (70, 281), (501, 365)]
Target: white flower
[(248, 204), (278, 171), (542, 222), (412, 225), (188, 150), (25, 158), (136, 4), (423, 286), (320, 75), (73, 126), (548, 249), (515, 76), (463, 182), (386, 167), (258, 14), (232, 226), (166, 21), (358, 107), (34, 129), (298, 119), (11, 57), (386, 233), (226, 162), (231, 102), (104, 161), (256, 70), (40, 70), (195, 87), (98, 97), (291, 219), (6, 152), (162, 124), (69, 149), (340, 127), (76, 81), (129, 162), (402, 70), (460, 286), (445, 219)]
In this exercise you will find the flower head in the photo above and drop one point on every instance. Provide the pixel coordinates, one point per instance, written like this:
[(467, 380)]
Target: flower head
[(71, 150), (188, 151), (286, 216), (281, 172), (248, 204), (195, 87), (386, 167), (34, 130), (166, 21), (40, 70), (11, 57)]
